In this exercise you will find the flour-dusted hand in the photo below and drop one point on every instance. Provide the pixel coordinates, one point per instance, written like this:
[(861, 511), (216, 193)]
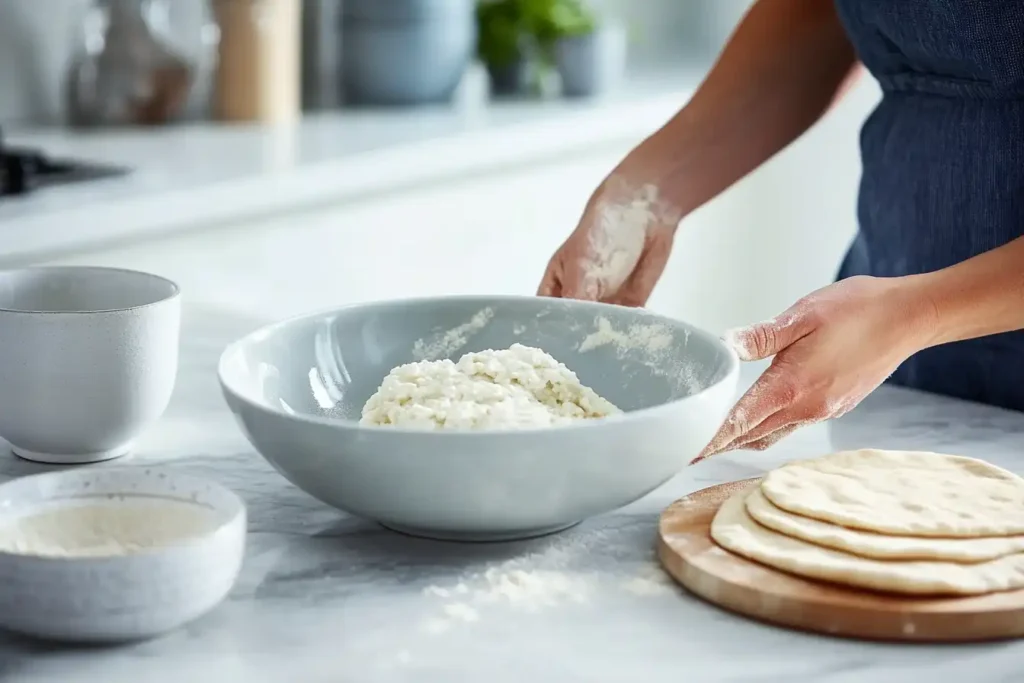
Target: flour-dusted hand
[(619, 249), (832, 348)]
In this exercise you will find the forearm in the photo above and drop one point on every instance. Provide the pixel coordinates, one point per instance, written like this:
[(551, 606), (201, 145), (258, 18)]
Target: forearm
[(981, 296), (779, 73)]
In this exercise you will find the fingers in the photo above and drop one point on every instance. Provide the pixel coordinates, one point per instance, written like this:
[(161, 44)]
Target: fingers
[(581, 286), (769, 395), (789, 418), (767, 442), (766, 339), (574, 281), (638, 287), (568, 277), (782, 424), (550, 284)]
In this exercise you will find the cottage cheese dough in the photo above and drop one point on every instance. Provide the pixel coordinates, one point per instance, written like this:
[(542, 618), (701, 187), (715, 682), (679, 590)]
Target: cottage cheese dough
[(902, 493), (875, 545), (516, 388), (734, 530)]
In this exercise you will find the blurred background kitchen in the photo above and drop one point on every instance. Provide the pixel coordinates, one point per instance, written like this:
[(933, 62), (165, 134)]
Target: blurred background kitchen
[(285, 155)]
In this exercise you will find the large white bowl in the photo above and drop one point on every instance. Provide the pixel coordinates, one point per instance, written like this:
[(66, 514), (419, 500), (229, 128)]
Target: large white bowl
[(297, 389)]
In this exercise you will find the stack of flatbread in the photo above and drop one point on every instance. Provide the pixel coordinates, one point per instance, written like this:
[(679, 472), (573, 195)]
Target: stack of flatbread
[(892, 521)]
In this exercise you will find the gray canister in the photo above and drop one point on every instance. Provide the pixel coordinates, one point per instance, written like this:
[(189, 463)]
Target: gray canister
[(405, 52), (593, 63)]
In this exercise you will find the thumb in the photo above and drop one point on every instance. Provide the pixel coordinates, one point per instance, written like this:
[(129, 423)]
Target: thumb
[(765, 339)]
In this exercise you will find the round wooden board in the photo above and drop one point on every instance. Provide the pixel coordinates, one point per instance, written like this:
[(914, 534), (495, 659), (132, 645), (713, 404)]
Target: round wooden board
[(755, 590)]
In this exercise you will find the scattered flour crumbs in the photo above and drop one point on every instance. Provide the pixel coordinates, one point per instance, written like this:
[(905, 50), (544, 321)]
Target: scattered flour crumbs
[(650, 344), (538, 582), (449, 342), (516, 388)]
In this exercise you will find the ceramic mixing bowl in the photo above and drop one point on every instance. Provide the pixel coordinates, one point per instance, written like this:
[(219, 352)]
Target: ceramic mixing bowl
[(297, 389), (88, 359)]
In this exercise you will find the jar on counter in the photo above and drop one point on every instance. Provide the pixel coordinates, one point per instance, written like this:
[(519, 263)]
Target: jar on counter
[(125, 71), (258, 73)]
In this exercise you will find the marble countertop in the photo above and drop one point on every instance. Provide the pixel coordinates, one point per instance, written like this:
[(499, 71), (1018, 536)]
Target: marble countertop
[(195, 176), (325, 597)]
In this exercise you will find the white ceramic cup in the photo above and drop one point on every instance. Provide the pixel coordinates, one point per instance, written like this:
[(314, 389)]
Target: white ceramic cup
[(88, 359)]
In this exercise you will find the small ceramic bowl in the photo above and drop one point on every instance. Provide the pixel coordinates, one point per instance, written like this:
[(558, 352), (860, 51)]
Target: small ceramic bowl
[(115, 554), (88, 359)]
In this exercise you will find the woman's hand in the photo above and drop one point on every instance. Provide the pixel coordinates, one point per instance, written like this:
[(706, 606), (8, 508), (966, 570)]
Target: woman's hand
[(832, 348), (620, 247)]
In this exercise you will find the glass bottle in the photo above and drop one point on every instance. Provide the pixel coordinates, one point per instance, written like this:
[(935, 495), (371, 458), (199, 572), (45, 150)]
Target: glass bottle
[(124, 72)]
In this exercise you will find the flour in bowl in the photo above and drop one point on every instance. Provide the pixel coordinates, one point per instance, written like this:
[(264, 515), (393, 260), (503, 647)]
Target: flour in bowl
[(520, 387), (96, 529)]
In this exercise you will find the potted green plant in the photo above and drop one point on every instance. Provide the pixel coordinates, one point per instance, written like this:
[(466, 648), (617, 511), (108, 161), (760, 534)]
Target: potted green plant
[(517, 39), (502, 43), (589, 55)]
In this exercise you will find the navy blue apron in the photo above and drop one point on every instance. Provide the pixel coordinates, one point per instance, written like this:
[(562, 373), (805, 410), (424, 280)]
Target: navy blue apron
[(943, 158)]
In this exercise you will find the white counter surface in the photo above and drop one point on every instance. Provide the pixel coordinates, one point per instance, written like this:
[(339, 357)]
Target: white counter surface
[(327, 598), (192, 176)]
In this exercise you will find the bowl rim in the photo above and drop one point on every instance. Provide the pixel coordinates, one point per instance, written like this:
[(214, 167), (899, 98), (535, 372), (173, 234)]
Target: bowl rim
[(227, 515), (731, 374), (174, 289)]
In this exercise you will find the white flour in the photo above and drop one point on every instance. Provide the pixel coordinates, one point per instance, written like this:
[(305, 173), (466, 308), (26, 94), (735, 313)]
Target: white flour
[(743, 340), (516, 388), (624, 221), (104, 528), (542, 581), (450, 342), (650, 338), (652, 346), (650, 581)]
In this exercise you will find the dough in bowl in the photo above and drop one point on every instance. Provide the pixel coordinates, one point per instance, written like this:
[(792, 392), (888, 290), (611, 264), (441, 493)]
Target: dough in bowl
[(516, 388), (875, 545), (734, 529), (902, 493)]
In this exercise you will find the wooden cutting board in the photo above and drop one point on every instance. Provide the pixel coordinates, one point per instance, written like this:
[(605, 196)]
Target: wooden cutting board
[(755, 590)]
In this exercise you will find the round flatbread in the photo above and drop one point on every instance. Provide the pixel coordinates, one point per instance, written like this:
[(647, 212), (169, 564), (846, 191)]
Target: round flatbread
[(902, 493), (875, 545), (734, 530)]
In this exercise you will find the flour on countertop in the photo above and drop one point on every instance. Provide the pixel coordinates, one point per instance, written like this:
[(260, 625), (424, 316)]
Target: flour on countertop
[(557, 577), (445, 344), (650, 581), (104, 528), (516, 388), (532, 591), (511, 587)]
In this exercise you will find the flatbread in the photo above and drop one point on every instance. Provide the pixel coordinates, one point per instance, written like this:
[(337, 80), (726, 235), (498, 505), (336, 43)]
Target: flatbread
[(734, 530), (875, 545), (902, 493)]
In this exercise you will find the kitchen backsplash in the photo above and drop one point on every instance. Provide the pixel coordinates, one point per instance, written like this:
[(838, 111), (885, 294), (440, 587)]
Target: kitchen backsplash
[(38, 37)]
